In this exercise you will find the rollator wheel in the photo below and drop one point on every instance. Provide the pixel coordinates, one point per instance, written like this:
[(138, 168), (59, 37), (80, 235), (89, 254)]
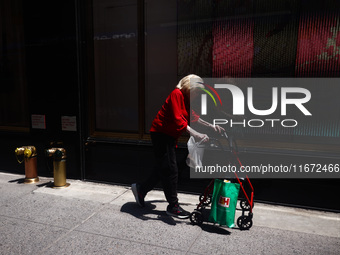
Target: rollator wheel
[(207, 201), (244, 222), (196, 218), (245, 205)]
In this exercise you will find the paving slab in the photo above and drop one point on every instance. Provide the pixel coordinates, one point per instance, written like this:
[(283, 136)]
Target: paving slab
[(96, 192), (263, 240), (19, 236), (52, 210), (87, 243), (142, 225), (297, 219)]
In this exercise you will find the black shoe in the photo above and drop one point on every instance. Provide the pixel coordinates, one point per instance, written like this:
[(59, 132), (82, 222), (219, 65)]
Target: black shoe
[(138, 195), (177, 211)]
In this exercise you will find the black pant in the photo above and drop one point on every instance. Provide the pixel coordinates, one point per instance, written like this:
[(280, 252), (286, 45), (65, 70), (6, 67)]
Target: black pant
[(166, 169)]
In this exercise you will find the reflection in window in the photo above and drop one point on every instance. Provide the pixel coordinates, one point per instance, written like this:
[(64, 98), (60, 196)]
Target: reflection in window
[(267, 39), (116, 65)]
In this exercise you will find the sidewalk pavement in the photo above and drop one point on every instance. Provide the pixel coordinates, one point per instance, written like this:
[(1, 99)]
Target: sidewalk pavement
[(94, 218)]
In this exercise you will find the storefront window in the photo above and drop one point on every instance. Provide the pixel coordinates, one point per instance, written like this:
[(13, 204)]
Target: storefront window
[(116, 65), (13, 92), (160, 54), (256, 39), (253, 39)]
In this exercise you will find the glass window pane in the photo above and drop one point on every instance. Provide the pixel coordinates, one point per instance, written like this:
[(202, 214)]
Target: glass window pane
[(160, 54), (13, 93), (116, 65)]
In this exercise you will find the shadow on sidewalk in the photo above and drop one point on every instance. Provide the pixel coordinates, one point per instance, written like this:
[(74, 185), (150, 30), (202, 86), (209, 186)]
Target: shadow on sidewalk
[(18, 181), (37, 184), (211, 227), (149, 212)]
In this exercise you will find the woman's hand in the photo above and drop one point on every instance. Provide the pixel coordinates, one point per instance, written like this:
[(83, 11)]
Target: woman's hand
[(202, 137), (199, 136), (218, 128)]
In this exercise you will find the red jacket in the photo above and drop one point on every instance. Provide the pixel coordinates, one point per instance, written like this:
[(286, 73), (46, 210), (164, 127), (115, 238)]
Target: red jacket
[(172, 119)]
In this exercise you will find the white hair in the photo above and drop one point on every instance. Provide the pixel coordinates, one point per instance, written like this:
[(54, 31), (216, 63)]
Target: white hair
[(190, 82)]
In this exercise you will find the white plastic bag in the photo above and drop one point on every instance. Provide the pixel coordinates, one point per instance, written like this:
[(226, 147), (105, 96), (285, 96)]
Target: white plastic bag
[(196, 152)]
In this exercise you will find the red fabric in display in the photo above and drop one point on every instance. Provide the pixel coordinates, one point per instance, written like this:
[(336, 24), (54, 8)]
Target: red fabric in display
[(318, 46)]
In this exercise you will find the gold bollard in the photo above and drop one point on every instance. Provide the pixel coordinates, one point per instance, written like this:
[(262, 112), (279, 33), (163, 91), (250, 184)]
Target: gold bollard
[(59, 166), (29, 154)]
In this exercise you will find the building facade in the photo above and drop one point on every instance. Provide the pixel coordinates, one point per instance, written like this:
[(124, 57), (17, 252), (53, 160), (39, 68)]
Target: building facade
[(91, 75)]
